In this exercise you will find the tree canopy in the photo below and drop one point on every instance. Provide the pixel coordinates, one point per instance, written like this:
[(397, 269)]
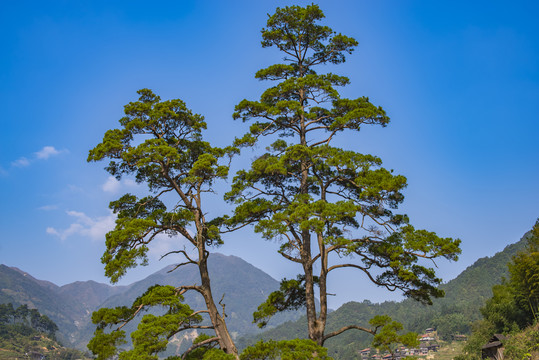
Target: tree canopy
[(323, 202), (160, 144), (329, 207), (25, 320)]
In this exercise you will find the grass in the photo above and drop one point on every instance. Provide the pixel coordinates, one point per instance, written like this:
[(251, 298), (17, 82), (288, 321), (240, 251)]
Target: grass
[(447, 351)]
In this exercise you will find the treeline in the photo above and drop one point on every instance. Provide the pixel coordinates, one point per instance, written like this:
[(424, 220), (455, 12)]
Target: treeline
[(24, 321), (513, 309)]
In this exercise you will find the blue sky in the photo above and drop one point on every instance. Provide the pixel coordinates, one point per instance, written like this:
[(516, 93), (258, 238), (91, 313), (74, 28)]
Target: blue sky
[(459, 79)]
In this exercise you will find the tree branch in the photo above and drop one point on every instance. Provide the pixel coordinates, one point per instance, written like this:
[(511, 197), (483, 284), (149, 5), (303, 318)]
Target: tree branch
[(349, 327), (202, 343), (183, 289)]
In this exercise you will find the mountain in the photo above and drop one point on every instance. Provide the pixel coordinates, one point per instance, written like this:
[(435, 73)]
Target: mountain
[(240, 286), (18, 288), (454, 313), (89, 294)]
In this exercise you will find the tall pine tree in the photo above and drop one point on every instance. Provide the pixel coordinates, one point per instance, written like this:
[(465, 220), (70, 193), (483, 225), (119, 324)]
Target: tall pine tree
[(320, 201), (160, 143)]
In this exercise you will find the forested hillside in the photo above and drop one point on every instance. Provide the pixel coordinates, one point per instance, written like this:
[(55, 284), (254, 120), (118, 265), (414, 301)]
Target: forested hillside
[(25, 333), (19, 288)]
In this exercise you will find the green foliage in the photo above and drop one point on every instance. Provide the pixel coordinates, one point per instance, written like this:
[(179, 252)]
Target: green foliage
[(160, 144), (482, 331), (105, 345), (24, 330), (523, 345), (451, 324), (207, 351), (153, 332), (290, 296), (514, 304), (454, 313), (502, 311), (285, 350), (524, 278), (388, 338), (25, 321)]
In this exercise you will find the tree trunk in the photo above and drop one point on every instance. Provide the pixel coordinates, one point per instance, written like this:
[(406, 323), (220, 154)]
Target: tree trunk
[(225, 340), (322, 285)]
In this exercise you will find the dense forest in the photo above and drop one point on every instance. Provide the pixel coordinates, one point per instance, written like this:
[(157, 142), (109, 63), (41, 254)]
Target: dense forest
[(25, 333), (513, 309)]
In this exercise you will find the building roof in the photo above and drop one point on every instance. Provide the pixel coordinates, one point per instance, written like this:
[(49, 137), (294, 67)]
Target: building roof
[(495, 341)]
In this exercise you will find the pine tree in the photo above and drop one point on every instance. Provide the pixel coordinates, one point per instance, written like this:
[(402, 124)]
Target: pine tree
[(161, 144), (320, 201)]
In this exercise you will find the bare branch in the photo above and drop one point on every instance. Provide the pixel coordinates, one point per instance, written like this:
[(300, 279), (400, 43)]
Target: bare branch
[(131, 317), (390, 287), (184, 253), (291, 258), (183, 289), (349, 327), (199, 312)]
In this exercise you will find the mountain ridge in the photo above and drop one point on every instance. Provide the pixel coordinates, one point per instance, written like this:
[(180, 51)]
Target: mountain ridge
[(240, 285)]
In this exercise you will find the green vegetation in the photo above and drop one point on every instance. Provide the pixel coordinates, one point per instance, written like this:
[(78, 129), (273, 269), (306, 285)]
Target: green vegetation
[(25, 331), (25, 321), (523, 344), (513, 308), (448, 350), (245, 287), (296, 349)]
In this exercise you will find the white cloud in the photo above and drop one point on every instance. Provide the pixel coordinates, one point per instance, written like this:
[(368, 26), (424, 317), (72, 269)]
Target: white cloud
[(47, 152), (43, 154), (52, 231), (22, 162), (85, 226), (96, 228), (113, 186)]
